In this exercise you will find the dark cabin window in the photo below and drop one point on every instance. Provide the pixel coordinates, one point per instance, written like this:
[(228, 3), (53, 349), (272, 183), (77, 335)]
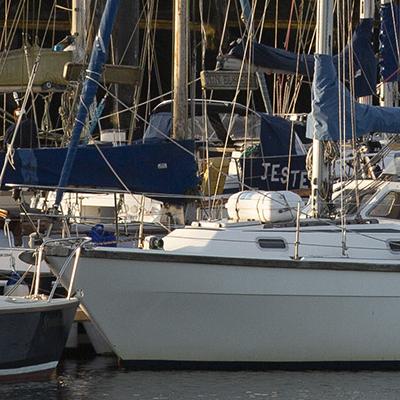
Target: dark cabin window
[(388, 207), (271, 243), (394, 245)]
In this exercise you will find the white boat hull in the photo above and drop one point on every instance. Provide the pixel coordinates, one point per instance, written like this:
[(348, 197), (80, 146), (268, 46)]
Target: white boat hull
[(200, 312)]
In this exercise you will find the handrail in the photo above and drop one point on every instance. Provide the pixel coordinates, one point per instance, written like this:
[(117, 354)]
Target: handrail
[(76, 251)]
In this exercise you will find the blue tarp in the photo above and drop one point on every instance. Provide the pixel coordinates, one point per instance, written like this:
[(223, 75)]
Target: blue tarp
[(389, 42), (324, 118), (282, 61), (149, 168)]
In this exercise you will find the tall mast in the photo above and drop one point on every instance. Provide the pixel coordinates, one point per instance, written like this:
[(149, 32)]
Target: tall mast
[(387, 91), (180, 84), (78, 28), (367, 11), (320, 170)]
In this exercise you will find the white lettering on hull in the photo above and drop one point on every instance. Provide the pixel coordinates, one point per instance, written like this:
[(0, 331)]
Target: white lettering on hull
[(277, 173)]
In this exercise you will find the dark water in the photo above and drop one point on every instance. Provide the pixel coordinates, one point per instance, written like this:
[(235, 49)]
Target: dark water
[(100, 378)]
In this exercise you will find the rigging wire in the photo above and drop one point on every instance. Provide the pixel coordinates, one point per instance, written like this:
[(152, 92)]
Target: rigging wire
[(247, 53), (11, 35)]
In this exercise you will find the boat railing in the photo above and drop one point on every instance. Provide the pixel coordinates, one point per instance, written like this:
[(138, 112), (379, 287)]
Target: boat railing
[(75, 248)]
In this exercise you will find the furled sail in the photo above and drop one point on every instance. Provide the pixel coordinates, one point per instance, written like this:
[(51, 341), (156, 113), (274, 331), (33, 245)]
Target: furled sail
[(282, 61), (324, 119)]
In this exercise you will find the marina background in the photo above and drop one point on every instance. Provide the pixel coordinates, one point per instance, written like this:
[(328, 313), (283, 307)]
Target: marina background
[(100, 377)]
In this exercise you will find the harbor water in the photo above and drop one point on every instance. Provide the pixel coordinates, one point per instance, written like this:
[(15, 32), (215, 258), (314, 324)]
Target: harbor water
[(100, 378)]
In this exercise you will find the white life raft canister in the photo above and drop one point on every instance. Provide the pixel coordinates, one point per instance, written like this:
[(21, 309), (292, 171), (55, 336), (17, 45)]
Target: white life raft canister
[(263, 206)]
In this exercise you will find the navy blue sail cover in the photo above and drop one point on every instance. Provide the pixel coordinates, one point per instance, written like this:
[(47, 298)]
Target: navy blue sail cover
[(324, 119), (282, 61), (270, 167), (276, 173), (389, 42), (275, 135), (160, 167)]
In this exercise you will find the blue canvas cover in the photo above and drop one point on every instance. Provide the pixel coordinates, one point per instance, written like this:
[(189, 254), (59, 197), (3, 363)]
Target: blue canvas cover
[(272, 173), (324, 119), (275, 135), (144, 168), (275, 59), (389, 42), (268, 169), (282, 61)]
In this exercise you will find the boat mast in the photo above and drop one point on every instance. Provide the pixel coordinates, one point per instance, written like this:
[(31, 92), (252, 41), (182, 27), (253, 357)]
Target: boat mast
[(320, 169), (180, 81), (387, 91), (367, 11), (78, 28)]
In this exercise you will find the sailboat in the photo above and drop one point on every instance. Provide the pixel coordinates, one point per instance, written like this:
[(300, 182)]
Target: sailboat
[(33, 334), (264, 287)]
